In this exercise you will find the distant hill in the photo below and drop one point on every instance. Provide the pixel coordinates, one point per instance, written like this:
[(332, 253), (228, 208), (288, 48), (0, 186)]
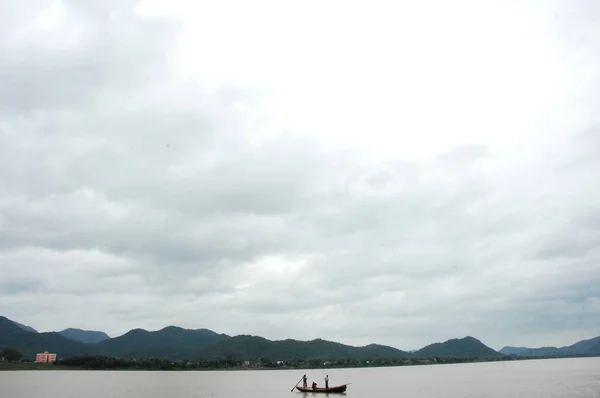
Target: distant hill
[(26, 328), (8, 328), (174, 343), (30, 343), (531, 352), (84, 336), (508, 350), (177, 343), (171, 342), (595, 349), (246, 346), (583, 347), (467, 347)]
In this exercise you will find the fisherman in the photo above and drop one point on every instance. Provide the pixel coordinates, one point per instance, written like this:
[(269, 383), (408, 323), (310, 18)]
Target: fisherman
[(314, 385), (304, 381), (326, 381)]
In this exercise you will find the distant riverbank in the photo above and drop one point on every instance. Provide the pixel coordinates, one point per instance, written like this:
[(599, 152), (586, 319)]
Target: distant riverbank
[(34, 366), (110, 363)]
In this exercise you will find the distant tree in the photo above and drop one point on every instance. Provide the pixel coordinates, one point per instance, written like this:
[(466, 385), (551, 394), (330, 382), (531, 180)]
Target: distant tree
[(11, 354)]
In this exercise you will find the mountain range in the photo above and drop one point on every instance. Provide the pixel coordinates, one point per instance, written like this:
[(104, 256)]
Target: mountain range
[(174, 343), (584, 347)]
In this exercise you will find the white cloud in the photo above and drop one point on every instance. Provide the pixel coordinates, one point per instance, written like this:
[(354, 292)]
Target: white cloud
[(408, 172)]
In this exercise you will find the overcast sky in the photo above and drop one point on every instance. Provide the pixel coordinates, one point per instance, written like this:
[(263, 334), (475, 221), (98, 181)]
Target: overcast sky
[(390, 172)]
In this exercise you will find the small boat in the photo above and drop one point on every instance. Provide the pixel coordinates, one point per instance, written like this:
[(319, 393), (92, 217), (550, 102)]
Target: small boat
[(341, 388)]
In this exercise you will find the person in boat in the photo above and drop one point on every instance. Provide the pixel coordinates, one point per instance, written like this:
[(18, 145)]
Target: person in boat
[(326, 381), (314, 385), (304, 383)]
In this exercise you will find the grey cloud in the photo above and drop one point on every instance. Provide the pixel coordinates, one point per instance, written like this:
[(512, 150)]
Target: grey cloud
[(569, 246), (145, 201), (574, 240), (91, 54), (18, 285)]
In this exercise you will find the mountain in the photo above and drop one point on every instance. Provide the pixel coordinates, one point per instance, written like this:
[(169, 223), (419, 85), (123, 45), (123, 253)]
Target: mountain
[(508, 350), (541, 352), (84, 336), (26, 328), (8, 328), (246, 346), (30, 343), (174, 343), (583, 347), (595, 349), (467, 347), (531, 352), (171, 342)]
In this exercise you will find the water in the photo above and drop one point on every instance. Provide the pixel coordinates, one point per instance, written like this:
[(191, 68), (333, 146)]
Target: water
[(532, 379)]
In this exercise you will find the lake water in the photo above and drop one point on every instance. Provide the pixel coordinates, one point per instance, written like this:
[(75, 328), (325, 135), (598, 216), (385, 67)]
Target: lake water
[(531, 379)]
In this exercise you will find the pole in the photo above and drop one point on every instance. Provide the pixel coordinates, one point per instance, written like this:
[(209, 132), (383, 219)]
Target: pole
[(292, 390)]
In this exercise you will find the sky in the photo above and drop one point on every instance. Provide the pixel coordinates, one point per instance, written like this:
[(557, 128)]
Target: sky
[(397, 173)]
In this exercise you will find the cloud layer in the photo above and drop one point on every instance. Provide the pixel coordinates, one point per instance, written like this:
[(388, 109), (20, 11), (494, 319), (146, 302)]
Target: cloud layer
[(352, 175)]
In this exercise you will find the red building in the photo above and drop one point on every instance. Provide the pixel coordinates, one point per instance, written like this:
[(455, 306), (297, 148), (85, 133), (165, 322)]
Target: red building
[(45, 357)]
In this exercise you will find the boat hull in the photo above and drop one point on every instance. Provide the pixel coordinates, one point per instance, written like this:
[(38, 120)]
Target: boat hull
[(341, 388)]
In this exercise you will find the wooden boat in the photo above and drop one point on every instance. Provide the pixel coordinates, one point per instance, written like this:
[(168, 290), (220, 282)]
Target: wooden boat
[(341, 388)]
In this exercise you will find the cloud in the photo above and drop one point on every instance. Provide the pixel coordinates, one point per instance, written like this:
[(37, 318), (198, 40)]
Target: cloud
[(159, 170), (59, 54)]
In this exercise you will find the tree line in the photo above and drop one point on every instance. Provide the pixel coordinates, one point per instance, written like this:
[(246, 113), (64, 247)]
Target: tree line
[(101, 362), (10, 354)]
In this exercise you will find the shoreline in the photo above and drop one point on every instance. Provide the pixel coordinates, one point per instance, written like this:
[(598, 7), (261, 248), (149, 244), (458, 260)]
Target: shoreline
[(32, 366)]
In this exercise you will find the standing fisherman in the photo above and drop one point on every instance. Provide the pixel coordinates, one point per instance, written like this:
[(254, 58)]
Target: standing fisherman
[(326, 381)]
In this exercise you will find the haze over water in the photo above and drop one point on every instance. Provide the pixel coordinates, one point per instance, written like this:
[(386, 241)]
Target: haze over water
[(531, 379)]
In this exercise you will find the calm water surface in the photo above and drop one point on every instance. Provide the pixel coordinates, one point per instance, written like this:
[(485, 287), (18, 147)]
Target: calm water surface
[(531, 379)]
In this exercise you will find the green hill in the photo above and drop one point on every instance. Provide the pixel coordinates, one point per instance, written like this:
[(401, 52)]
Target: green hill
[(177, 343), (532, 352), (30, 343), (467, 347), (595, 349), (8, 328), (245, 346), (508, 350), (171, 342), (583, 347), (25, 327), (84, 336)]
